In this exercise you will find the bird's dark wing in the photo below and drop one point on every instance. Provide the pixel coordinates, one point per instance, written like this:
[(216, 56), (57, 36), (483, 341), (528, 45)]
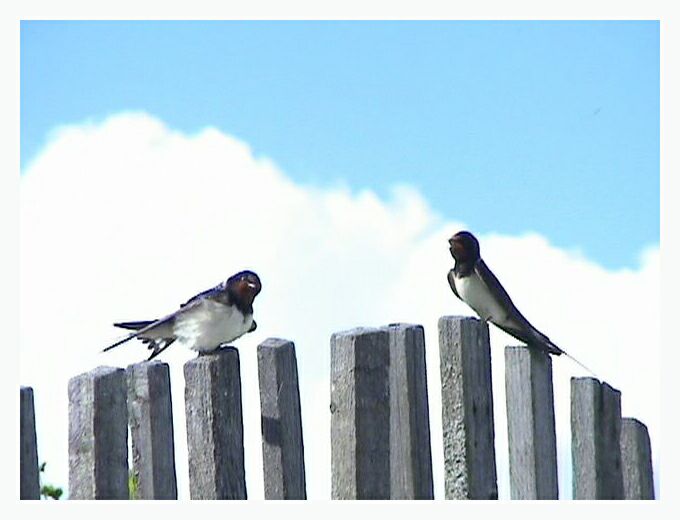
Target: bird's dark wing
[(214, 293), (515, 330), (516, 325), (217, 293), (494, 286), (452, 283), (152, 325), (531, 336)]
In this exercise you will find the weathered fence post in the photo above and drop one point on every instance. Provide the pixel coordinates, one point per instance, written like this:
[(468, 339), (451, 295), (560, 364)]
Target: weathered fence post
[(29, 488), (410, 452), (636, 458), (97, 435), (595, 440), (151, 431), (282, 446), (467, 409), (531, 424), (360, 414), (215, 426)]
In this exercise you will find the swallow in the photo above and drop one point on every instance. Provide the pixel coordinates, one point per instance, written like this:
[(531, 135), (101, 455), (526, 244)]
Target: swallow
[(204, 322), (474, 283)]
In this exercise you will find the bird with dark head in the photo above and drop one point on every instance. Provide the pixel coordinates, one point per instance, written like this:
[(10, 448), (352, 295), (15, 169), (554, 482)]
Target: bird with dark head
[(242, 289), (474, 283), (212, 318), (464, 248)]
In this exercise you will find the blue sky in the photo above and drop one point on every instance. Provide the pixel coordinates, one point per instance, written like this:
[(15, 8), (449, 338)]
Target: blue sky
[(510, 127)]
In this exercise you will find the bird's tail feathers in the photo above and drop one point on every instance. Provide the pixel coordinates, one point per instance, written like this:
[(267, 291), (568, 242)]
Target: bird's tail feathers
[(133, 325), (139, 327), (121, 341), (551, 348), (581, 365), (542, 342)]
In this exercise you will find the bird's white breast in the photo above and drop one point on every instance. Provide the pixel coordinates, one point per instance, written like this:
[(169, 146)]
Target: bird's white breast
[(210, 324), (477, 295)]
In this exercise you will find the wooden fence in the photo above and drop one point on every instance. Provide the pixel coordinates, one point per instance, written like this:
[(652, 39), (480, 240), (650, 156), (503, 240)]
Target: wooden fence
[(380, 433)]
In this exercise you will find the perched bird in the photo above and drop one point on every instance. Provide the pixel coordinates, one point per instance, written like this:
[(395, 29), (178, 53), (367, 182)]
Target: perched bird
[(474, 283), (206, 321)]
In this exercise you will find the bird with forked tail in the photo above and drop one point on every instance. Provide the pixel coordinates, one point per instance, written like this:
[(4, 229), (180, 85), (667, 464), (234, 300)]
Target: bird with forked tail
[(474, 283), (211, 318)]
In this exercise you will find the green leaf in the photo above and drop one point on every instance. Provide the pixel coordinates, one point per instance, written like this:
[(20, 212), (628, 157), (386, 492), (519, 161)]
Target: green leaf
[(133, 485), (51, 492), (47, 490)]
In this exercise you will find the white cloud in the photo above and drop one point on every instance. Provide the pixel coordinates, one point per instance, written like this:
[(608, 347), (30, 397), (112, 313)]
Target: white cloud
[(126, 218)]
